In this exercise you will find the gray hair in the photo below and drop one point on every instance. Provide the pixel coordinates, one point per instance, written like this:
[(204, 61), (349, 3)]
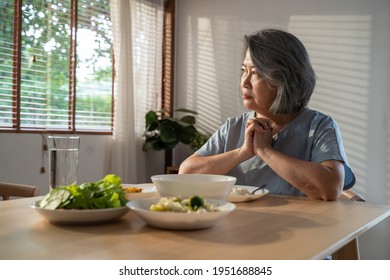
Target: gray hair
[(283, 61)]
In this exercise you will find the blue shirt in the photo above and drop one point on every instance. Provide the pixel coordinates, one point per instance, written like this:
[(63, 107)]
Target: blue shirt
[(311, 136)]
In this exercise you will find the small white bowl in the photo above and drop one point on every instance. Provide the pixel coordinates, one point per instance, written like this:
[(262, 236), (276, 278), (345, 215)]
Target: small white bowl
[(185, 185)]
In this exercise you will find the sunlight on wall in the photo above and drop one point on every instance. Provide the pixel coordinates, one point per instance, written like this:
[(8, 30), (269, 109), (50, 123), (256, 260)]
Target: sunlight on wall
[(339, 48), (209, 72), (201, 65)]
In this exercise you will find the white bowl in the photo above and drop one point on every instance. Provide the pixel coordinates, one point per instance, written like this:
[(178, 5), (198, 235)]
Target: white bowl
[(180, 221), (185, 185)]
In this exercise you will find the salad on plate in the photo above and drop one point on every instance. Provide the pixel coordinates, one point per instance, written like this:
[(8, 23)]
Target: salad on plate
[(103, 194)]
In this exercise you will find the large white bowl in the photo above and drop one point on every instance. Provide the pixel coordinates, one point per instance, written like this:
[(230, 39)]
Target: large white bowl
[(185, 185)]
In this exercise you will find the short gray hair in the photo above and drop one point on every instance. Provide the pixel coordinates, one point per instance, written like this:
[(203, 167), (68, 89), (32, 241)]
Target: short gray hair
[(283, 61)]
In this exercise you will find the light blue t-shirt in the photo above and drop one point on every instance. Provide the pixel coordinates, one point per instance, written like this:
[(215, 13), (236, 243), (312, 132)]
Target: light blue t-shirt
[(311, 136)]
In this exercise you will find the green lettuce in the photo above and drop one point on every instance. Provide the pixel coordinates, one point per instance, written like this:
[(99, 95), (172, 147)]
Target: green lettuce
[(105, 193)]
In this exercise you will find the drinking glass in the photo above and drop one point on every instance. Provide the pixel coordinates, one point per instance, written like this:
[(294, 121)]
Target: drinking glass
[(63, 160)]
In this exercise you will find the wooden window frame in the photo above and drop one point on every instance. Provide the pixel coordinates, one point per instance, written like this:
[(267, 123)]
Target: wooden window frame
[(167, 90), (15, 126)]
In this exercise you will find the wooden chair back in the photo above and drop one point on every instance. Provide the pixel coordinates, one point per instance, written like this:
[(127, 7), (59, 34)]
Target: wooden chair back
[(350, 251), (8, 190), (351, 196)]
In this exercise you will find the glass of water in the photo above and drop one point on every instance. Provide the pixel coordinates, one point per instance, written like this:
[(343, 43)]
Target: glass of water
[(63, 160)]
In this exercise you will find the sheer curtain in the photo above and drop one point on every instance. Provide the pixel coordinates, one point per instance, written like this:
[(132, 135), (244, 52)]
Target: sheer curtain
[(138, 38)]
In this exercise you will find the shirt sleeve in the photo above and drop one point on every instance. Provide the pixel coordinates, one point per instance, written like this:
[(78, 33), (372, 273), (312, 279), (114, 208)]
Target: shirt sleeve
[(328, 145), (216, 143)]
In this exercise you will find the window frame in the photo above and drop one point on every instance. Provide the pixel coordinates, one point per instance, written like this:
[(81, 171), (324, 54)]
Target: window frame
[(167, 76), (15, 126)]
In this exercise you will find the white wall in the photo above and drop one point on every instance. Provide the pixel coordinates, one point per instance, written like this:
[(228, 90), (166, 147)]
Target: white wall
[(22, 158), (352, 65)]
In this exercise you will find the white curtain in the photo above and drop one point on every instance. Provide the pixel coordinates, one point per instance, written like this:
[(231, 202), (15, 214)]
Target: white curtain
[(138, 38)]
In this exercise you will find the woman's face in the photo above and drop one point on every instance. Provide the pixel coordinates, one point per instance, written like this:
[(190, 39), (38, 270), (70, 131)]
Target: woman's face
[(256, 93)]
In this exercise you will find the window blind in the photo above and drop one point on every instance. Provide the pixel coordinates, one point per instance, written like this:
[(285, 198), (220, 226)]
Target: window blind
[(94, 72), (7, 64), (56, 71)]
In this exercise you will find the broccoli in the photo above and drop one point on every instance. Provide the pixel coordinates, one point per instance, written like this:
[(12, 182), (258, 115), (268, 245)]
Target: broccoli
[(197, 202)]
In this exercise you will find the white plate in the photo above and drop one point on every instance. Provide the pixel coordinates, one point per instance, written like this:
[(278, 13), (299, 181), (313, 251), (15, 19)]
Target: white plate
[(84, 216), (146, 188), (247, 197), (180, 221), (148, 191)]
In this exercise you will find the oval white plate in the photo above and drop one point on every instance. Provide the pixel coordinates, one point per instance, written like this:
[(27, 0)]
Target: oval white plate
[(149, 190), (180, 221), (84, 216), (247, 197)]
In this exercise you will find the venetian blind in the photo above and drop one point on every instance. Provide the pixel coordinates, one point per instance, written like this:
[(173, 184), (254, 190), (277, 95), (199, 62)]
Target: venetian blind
[(8, 60), (56, 73)]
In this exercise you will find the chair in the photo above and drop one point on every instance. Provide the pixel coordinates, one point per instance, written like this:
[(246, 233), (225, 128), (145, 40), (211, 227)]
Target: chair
[(351, 196), (10, 189), (350, 251)]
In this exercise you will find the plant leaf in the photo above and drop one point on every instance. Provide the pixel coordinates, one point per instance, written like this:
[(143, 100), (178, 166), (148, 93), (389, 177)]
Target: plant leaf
[(164, 132), (168, 132), (160, 145), (150, 118), (188, 119), (152, 126), (152, 144), (186, 134)]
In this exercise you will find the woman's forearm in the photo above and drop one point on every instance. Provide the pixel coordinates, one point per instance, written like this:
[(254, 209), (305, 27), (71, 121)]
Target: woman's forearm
[(317, 180), (215, 164)]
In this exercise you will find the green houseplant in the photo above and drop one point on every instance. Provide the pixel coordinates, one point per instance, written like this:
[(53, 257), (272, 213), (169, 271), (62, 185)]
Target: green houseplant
[(163, 132)]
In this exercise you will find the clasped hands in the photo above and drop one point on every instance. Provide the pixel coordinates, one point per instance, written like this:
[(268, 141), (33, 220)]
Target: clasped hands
[(258, 136)]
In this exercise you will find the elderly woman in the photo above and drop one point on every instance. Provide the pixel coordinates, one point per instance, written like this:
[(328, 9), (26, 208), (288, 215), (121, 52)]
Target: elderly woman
[(279, 141)]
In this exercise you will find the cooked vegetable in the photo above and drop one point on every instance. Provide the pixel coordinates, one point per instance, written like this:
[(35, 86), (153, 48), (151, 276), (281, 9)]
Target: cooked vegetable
[(196, 202), (193, 204), (106, 193), (133, 189)]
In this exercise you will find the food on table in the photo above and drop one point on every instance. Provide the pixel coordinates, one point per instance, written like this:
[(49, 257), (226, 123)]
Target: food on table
[(193, 204), (105, 193), (132, 189), (239, 191)]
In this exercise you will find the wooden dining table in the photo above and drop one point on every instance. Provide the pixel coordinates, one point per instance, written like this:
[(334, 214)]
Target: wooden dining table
[(272, 228)]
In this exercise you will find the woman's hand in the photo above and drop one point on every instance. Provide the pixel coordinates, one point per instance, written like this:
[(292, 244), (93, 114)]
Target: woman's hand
[(224, 162), (261, 134), (247, 147)]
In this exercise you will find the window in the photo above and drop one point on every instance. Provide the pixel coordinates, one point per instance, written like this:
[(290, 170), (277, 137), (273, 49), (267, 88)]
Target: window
[(56, 66)]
